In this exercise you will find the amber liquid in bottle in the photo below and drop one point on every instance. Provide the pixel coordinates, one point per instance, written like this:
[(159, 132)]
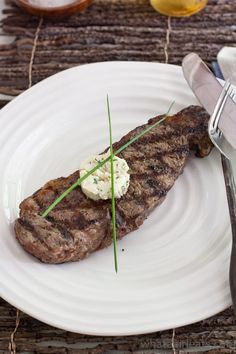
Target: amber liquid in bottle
[(178, 7)]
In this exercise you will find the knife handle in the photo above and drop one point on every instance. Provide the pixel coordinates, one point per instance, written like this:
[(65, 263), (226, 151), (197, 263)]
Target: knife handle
[(232, 276), (231, 193), (231, 197)]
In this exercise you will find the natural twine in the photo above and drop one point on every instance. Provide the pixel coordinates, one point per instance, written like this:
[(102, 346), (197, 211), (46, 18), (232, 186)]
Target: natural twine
[(166, 52), (12, 344), (173, 341), (167, 43), (36, 36)]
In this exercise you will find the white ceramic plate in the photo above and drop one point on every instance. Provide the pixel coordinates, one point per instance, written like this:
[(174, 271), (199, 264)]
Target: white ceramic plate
[(173, 270)]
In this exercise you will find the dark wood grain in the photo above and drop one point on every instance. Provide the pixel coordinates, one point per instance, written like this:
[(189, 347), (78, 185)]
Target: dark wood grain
[(214, 335), (112, 30), (3, 103)]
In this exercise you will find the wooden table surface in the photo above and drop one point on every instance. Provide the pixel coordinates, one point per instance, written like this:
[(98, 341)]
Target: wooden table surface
[(111, 30)]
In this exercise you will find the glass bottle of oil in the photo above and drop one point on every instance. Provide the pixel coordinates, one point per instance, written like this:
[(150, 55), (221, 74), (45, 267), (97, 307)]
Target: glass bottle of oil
[(178, 7)]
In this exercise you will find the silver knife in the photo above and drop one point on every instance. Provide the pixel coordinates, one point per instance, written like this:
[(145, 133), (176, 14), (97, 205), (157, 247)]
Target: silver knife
[(231, 197), (207, 89)]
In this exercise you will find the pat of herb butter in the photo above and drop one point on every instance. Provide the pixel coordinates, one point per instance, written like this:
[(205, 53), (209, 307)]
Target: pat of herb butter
[(98, 184)]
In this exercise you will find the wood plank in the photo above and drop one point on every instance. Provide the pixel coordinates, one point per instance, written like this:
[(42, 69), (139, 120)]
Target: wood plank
[(112, 30)]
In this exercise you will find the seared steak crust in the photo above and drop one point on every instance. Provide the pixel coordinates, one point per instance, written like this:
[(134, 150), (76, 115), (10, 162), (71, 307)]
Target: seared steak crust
[(79, 226)]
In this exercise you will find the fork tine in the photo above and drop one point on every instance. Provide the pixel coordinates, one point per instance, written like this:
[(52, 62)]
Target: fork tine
[(229, 91), (214, 120), (213, 130), (233, 94)]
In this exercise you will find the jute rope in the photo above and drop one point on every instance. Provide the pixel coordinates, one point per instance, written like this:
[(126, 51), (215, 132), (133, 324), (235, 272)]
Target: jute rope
[(167, 43), (166, 52), (12, 344), (36, 36), (173, 341)]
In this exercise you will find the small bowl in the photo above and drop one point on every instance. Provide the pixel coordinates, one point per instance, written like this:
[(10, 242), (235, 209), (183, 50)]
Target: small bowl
[(54, 11)]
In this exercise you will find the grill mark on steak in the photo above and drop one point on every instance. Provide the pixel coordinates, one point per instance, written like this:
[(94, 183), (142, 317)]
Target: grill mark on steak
[(29, 227), (159, 154), (62, 227), (79, 226), (75, 219)]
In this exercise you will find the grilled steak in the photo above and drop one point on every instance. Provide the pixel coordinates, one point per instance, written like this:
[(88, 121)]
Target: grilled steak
[(79, 226)]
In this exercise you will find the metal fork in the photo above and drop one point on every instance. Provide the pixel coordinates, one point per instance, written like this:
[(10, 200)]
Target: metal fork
[(219, 141)]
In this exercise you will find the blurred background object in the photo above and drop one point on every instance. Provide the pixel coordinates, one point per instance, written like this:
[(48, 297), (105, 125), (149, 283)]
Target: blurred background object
[(53, 8), (227, 62), (178, 7)]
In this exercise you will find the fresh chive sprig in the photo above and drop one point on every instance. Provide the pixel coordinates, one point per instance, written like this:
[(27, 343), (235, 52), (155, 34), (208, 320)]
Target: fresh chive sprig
[(101, 163), (113, 203)]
